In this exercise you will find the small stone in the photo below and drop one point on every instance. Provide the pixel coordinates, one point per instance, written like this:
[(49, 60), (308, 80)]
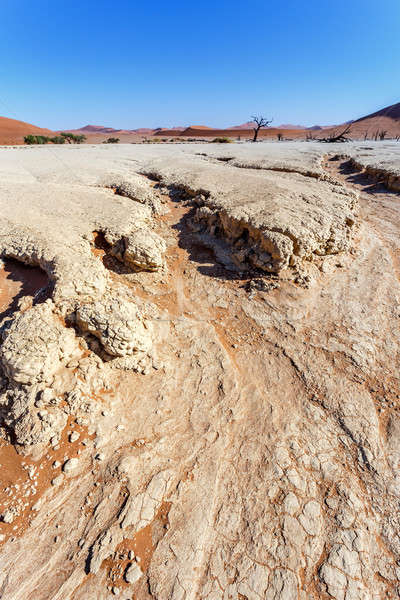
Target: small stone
[(133, 573), (74, 436), (7, 516), (100, 456), (70, 465), (56, 464), (81, 542), (115, 591), (57, 480)]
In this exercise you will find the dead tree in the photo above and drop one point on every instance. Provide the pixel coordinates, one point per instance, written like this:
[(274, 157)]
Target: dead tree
[(337, 137), (260, 123), (382, 135)]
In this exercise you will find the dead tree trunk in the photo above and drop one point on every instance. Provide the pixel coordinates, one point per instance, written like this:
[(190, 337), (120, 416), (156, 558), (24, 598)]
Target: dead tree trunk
[(260, 122)]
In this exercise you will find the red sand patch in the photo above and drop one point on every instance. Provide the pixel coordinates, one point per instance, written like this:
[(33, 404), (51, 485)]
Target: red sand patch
[(24, 480)]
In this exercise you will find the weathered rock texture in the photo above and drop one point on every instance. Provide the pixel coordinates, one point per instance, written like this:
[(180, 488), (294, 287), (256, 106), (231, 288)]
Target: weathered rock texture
[(142, 249), (117, 324), (259, 455), (269, 219)]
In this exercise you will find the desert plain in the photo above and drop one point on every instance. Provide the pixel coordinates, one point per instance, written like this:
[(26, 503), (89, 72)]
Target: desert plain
[(199, 362)]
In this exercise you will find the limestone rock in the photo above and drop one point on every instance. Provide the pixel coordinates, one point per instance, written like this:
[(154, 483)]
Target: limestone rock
[(118, 324), (142, 249), (36, 345)]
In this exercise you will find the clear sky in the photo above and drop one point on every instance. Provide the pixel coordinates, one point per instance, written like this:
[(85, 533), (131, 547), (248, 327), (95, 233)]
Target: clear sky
[(131, 64)]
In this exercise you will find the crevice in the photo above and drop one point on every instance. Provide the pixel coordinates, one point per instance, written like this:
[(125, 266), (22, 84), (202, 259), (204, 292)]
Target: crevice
[(381, 176)]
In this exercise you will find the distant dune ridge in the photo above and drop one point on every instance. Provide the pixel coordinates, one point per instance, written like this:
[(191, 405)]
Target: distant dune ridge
[(385, 120)]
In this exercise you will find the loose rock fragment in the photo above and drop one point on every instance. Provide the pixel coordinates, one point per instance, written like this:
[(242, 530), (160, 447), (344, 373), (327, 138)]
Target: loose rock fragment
[(70, 465), (133, 573), (143, 249)]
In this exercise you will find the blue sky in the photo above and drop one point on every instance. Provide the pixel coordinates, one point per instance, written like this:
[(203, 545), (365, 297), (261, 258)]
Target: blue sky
[(128, 64)]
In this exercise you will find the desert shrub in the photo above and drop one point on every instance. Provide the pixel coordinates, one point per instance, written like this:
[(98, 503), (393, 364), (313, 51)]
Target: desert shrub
[(72, 138), (57, 139), (221, 140), (36, 139), (111, 140)]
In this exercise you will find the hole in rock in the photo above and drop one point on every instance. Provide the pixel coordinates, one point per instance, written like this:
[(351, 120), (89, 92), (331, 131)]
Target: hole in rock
[(18, 280), (100, 244)]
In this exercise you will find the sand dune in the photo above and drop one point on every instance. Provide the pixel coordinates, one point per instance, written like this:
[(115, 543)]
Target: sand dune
[(13, 131)]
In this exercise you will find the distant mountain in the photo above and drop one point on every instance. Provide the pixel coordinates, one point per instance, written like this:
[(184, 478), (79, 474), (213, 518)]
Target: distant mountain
[(13, 131), (289, 126), (247, 125), (96, 129)]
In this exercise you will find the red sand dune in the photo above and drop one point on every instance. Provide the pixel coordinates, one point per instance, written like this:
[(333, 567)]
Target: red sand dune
[(387, 119), (13, 131)]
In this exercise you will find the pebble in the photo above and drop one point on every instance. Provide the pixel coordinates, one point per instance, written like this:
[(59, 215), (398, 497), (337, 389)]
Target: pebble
[(115, 591), (57, 480), (70, 465), (74, 436), (7, 516), (100, 456), (133, 573), (56, 464)]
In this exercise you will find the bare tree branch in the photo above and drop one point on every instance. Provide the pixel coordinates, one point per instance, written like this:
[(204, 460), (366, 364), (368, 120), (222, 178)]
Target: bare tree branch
[(260, 122)]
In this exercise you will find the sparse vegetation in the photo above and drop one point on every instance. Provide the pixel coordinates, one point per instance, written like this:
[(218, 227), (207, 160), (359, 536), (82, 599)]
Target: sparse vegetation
[(111, 140), (279, 136), (36, 139), (260, 122), (57, 139), (221, 140), (71, 138)]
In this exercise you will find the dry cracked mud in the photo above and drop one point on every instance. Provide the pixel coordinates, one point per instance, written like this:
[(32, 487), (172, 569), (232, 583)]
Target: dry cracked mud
[(199, 372)]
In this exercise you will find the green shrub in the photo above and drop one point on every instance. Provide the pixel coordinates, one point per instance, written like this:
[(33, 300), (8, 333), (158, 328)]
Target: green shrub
[(221, 140), (72, 138), (111, 140), (36, 139), (57, 139)]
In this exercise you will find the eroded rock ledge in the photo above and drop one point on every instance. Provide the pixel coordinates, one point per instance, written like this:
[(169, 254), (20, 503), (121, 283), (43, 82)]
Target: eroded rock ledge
[(269, 220)]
